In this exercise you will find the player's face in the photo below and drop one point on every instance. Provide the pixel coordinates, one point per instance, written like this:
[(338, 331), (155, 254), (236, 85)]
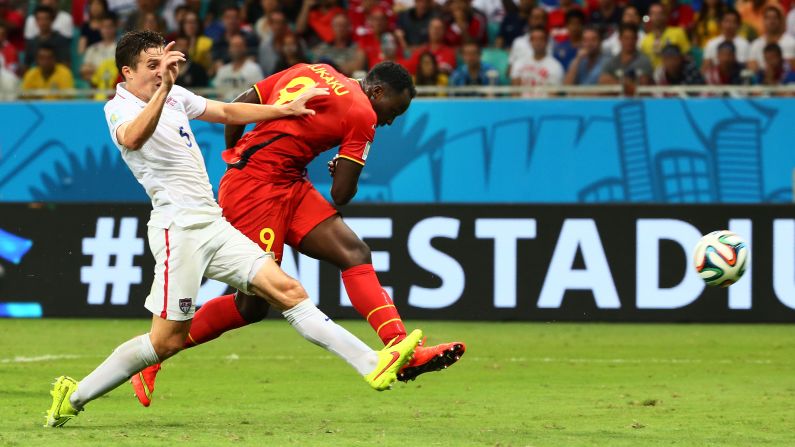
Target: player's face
[(145, 78), (388, 105)]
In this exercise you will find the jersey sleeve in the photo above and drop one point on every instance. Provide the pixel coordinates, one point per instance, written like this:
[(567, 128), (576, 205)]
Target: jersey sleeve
[(356, 144), (265, 86), (118, 112), (195, 105)]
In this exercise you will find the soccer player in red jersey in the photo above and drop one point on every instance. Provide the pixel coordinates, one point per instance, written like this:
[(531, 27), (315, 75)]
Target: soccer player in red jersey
[(266, 196)]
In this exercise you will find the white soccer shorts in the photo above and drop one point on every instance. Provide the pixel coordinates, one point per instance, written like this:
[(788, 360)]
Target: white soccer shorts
[(184, 255)]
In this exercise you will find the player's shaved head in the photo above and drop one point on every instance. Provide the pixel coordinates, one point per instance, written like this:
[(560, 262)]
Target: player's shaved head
[(390, 89), (132, 44)]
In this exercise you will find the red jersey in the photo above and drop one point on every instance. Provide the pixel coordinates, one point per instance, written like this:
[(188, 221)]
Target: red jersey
[(344, 118)]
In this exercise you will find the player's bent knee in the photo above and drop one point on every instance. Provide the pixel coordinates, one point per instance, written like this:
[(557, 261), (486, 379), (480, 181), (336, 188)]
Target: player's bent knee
[(168, 346), (251, 308), (292, 293)]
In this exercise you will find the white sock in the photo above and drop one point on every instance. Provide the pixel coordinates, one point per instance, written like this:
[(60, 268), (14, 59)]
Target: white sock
[(316, 327), (126, 360)]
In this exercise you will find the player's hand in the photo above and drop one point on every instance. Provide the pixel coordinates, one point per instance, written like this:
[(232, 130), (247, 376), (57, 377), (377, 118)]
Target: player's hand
[(169, 66), (298, 107), (332, 165)]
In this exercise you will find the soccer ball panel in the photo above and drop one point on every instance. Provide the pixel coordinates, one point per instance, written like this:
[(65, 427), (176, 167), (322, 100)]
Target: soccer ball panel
[(720, 258)]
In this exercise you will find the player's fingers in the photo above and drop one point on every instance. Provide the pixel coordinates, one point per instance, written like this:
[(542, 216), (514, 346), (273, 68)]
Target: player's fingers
[(169, 46), (314, 91)]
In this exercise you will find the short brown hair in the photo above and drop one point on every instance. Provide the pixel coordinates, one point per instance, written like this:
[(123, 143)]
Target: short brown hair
[(131, 44)]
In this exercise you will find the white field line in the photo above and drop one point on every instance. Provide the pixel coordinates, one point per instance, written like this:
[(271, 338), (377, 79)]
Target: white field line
[(40, 358)]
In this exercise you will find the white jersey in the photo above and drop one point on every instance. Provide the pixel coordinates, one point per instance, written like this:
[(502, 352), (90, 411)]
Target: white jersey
[(757, 51), (741, 46), (169, 165)]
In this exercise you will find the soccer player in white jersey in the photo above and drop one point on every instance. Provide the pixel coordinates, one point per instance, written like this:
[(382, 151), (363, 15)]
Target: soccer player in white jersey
[(189, 238)]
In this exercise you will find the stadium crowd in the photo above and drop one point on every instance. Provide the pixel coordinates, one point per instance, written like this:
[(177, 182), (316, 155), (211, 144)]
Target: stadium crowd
[(232, 44)]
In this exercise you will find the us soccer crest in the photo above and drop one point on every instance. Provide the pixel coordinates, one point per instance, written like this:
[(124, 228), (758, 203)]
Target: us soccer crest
[(184, 304)]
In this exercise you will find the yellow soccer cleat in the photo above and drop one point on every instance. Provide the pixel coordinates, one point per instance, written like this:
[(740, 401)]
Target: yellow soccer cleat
[(391, 359), (61, 410)]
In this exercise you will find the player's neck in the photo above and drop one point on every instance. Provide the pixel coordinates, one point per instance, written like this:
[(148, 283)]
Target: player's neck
[(138, 93)]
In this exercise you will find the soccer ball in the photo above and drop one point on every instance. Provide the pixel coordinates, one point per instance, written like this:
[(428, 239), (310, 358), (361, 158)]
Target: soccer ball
[(720, 258)]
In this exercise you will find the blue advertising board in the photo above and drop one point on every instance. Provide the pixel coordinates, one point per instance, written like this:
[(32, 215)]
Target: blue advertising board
[(463, 151)]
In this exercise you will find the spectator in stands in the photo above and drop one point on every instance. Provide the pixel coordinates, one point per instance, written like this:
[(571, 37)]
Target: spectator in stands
[(774, 33), (495, 10), (233, 27), (173, 12), (137, 18), (465, 23), (359, 12), (675, 69), (343, 53), (47, 36), (428, 73), (381, 44), (89, 32), (270, 46), (152, 22), (727, 71), (514, 25), (631, 17), (678, 14), (240, 73), (661, 34), (729, 28), (445, 55), (48, 74), (292, 52), (262, 26), (540, 69), (200, 46), (316, 17), (101, 51), (123, 9), (629, 59), (565, 51), (7, 51), (191, 74), (62, 21), (753, 13), (414, 22), (521, 48), (606, 17), (777, 71), (558, 20), (708, 22), (473, 71), (586, 67), (13, 21), (8, 82)]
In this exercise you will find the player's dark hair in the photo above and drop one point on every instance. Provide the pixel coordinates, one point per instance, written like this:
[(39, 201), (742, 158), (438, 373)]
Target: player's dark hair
[(45, 9), (131, 44), (392, 75)]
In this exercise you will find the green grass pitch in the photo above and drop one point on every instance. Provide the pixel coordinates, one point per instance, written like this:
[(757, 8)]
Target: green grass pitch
[(518, 385)]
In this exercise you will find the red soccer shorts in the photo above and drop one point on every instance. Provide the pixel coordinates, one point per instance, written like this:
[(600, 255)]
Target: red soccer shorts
[(272, 214)]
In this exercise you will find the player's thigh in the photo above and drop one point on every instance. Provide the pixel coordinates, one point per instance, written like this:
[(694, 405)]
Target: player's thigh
[(179, 265), (318, 230), (277, 287), (234, 258), (258, 210)]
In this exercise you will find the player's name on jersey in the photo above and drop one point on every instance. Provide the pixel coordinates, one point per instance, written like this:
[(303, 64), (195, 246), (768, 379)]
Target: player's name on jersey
[(333, 83)]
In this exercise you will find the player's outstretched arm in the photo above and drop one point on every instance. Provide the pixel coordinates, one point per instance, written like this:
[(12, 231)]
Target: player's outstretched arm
[(245, 113), (233, 132)]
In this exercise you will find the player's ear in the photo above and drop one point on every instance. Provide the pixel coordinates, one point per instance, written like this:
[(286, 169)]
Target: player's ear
[(376, 91)]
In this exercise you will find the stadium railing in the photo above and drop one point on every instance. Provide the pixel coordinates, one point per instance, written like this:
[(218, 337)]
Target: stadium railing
[(502, 92)]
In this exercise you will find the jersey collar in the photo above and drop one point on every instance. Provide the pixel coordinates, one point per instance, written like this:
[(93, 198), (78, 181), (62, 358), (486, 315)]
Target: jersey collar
[(125, 94)]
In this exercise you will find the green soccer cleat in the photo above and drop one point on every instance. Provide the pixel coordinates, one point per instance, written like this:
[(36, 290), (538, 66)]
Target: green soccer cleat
[(391, 359), (61, 410)]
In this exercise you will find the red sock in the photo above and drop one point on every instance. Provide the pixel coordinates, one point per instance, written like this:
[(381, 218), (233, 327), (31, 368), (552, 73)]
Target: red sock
[(373, 303), (213, 319)]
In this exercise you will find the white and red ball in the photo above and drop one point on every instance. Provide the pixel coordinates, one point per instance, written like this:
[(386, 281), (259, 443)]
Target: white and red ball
[(720, 258)]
